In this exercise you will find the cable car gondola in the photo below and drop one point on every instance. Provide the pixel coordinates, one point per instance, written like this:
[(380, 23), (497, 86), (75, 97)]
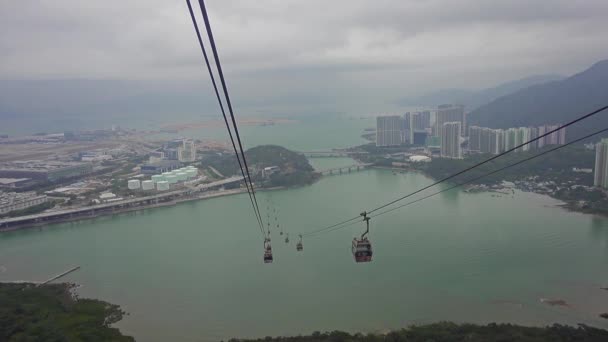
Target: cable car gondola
[(267, 252), (287, 238), (362, 248), (299, 246)]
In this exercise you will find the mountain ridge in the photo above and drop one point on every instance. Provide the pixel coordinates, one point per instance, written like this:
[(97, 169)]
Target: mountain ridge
[(473, 99), (550, 103)]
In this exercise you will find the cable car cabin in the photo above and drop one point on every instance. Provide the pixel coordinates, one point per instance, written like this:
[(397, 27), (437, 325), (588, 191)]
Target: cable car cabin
[(362, 250), (268, 256), (267, 252), (299, 247)]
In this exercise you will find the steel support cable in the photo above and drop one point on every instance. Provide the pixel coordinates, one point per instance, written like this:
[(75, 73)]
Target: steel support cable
[(330, 228), (490, 159), (225, 88), (461, 172), (470, 180), (217, 94), (493, 172)]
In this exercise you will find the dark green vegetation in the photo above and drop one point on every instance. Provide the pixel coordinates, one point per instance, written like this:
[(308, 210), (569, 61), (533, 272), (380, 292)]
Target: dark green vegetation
[(294, 167), (555, 166), (51, 313), (551, 174), (31, 210), (447, 331), (552, 102), (604, 315)]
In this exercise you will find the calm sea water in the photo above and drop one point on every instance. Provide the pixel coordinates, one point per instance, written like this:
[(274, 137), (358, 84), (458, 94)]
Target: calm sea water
[(194, 272)]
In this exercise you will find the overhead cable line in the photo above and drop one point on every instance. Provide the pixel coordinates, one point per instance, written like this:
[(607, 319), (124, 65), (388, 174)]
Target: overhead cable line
[(493, 172), (218, 65), (465, 182), (353, 220), (217, 94), (490, 159)]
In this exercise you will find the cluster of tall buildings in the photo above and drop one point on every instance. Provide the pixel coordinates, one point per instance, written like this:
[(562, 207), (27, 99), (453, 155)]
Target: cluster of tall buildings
[(389, 130), (417, 127), (395, 130), (495, 141), (600, 174), (450, 140), (447, 129), (183, 150)]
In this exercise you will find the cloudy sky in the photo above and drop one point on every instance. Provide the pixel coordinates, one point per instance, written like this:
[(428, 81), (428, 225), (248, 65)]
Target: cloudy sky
[(300, 50)]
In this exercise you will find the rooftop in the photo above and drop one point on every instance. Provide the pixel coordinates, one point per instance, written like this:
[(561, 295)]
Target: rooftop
[(7, 181)]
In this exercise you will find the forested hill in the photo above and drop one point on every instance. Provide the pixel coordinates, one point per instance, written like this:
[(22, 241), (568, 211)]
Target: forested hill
[(552, 102), (294, 168), (273, 155)]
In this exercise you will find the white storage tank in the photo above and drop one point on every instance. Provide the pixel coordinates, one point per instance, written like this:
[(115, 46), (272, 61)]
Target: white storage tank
[(181, 176), (157, 178), (147, 185), (192, 173), (162, 186), (133, 184), (171, 179)]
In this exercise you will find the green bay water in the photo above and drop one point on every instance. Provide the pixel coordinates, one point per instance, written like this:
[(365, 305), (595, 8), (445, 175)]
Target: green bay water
[(194, 272)]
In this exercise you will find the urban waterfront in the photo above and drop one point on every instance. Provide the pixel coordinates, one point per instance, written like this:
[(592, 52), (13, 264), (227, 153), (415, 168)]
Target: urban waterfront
[(194, 271)]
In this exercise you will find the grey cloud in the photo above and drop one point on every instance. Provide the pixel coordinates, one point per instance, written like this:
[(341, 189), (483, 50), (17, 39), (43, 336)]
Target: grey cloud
[(371, 51)]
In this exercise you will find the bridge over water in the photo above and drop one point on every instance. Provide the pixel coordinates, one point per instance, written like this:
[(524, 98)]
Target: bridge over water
[(331, 153), (344, 169)]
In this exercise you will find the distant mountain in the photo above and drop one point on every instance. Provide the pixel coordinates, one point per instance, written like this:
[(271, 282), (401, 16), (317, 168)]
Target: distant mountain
[(552, 102), (473, 99)]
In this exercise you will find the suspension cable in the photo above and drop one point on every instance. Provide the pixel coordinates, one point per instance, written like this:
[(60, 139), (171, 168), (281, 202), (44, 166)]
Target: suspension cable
[(217, 94), (490, 159), (339, 224), (226, 95), (467, 181)]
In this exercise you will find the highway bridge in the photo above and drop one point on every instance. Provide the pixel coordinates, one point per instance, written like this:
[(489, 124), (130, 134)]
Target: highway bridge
[(113, 207), (331, 153), (344, 169)]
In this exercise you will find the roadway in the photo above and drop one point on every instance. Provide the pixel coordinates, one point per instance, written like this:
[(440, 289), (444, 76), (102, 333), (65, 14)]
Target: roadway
[(119, 204)]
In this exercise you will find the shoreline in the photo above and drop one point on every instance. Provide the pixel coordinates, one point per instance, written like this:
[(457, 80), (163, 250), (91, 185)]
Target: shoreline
[(88, 217), (571, 207), (565, 205)]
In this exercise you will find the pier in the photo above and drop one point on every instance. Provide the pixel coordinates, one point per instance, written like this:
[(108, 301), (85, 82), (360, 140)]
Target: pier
[(59, 275)]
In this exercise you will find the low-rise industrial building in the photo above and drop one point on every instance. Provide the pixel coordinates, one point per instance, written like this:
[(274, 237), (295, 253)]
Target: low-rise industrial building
[(44, 170), (15, 183), (160, 167), (268, 171), (11, 201)]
